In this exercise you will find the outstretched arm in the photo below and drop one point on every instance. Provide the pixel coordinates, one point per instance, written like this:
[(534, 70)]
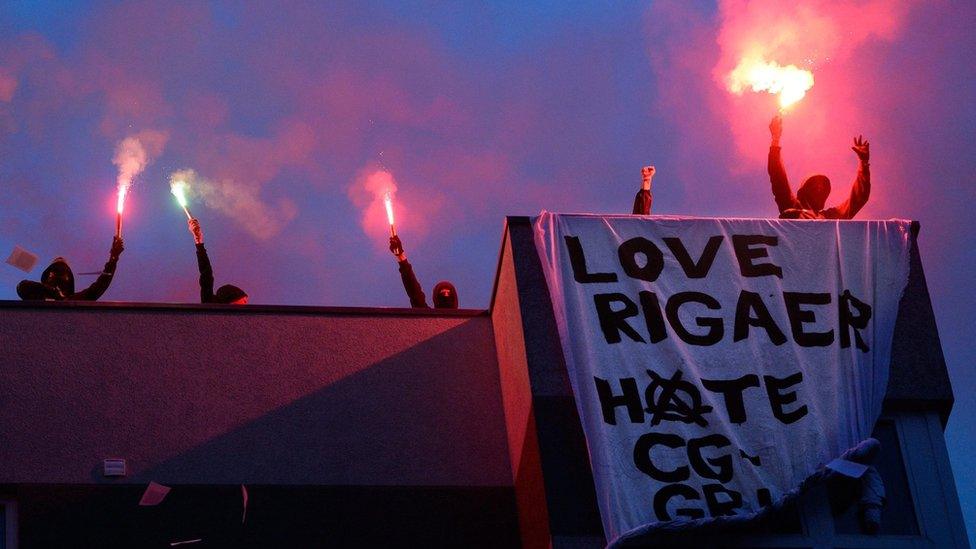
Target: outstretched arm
[(28, 290), (203, 263), (410, 283), (95, 291), (861, 190), (644, 199), (784, 197), (206, 275)]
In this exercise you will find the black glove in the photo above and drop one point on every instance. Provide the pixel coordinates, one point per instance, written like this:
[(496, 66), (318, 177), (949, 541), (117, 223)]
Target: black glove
[(117, 248), (396, 247)]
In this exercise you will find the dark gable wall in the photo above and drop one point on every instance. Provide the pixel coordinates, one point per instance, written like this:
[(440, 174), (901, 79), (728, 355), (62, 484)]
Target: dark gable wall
[(199, 395)]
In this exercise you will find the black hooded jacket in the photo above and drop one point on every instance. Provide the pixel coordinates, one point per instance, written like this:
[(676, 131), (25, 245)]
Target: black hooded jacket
[(225, 294), (808, 201), (28, 290), (206, 275), (416, 293)]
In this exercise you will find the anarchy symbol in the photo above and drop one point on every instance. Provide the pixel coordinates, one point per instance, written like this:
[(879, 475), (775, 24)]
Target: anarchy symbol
[(669, 406)]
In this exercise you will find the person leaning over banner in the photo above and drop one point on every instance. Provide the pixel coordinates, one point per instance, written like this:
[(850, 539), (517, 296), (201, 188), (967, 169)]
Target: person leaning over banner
[(445, 295), (808, 203), (227, 293), (644, 199), (58, 282)]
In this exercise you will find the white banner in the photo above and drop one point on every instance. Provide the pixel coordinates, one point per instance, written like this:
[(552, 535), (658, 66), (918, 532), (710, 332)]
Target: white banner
[(717, 363)]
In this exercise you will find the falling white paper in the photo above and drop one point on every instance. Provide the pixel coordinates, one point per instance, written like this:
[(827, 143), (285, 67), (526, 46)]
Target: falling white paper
[(154, 494), (244, 496), (22, 259), (847, 468)]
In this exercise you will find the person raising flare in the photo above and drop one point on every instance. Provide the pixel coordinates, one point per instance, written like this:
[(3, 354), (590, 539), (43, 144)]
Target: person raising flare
[(227, 293), (58, 282), (445, 295), (644, 199), (808, 203)]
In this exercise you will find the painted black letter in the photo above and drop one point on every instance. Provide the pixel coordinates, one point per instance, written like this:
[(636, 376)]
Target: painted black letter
[(723, 463), (777, 400), (742, 242), (718, 508), (578, 261), (652, 316), (752, 302), (642, 457), (848, 320), (664, 495), (613, 322), (732, 390), (630, 398), (692, 269), (628, 259), (714, 324), (799, 317)]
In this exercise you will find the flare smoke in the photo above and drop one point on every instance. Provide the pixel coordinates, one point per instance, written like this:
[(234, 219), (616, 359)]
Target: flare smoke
[(369, 192), (239, 202), (132, 155)]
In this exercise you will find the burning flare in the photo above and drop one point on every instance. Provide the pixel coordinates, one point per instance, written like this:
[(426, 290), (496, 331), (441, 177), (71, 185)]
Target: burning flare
[(178, 188), (120, 203), (790, 82), (132, 155), (388, 202), (373, 191)]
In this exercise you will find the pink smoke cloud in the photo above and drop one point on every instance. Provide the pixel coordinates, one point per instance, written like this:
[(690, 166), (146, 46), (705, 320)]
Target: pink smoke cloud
[(367, 193), (332, 112), (8, 85), (832, 39), (819, 35)]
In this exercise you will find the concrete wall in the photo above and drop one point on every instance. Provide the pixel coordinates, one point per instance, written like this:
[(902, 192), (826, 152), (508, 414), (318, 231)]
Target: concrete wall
[(553, 481), (257, 395), (523, 440)]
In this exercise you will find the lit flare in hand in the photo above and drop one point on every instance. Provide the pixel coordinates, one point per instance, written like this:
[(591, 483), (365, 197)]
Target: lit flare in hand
[(178, 188), (119, 206), (388, 202), (790, 82)]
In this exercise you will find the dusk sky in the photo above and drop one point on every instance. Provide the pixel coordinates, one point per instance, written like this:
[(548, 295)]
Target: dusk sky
[(286, 112)]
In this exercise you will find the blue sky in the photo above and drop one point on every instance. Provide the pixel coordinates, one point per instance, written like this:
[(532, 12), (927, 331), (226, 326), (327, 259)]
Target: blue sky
[(478, 111)]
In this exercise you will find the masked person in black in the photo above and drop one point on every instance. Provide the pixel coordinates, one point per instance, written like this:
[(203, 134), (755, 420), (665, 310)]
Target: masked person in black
[(227, 293), (445, 295), (808, 203), (58, 282), (644, 198)]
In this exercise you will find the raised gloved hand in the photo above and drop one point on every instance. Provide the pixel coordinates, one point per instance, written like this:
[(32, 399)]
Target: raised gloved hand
[(396, 248), (117, 248)]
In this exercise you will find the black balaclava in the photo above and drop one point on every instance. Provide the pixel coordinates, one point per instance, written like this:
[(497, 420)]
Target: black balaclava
[(228, 293), (813, 193), (449, 301), (59, 265)]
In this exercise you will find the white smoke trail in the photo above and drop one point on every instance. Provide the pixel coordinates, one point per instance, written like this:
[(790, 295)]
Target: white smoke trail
[(133, 154), (239, 202)]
